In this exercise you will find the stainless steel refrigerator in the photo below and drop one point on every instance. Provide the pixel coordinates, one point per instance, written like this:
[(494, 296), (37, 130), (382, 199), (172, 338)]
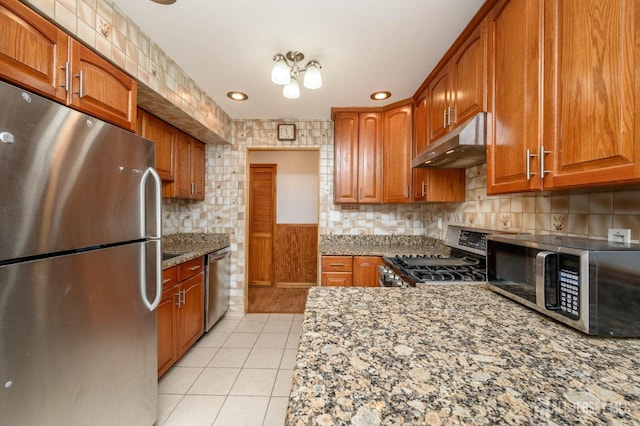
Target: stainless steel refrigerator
[(79, 267)]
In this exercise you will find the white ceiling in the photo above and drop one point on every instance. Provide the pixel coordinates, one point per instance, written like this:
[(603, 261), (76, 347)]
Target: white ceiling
[(363, 46)]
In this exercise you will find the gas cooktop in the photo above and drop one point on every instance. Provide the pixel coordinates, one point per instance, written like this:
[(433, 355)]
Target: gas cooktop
[(465, 264)]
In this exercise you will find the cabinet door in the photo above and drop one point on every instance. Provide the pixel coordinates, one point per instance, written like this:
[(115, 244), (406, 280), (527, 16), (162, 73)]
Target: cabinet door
[(167, 329), (439, 102), (439, 185), (337, 279), (397, 143), (183, 183), (514, 75), (590, 92), (164, 137), (369, 157), (198, 174), (420, 119), (469, 74), (365, 271), (191, 313), (99, 88), (33, 51), (345, 185)]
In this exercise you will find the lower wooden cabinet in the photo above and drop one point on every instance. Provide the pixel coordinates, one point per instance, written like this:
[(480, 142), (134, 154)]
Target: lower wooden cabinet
[(181, 312), (347, 271)]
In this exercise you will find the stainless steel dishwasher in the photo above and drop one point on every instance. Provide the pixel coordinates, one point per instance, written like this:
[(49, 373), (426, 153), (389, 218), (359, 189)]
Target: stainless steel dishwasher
[(217, 286)]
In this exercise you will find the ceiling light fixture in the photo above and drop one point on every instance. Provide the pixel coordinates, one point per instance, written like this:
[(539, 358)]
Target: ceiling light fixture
[(381, 95), (285, 72), (164, 1), (237, 96)]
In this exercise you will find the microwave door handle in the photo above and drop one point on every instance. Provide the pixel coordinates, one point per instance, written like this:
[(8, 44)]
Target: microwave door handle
[(547, 291)]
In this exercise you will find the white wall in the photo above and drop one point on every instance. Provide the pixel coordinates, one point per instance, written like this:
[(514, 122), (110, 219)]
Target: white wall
[(297, 183)]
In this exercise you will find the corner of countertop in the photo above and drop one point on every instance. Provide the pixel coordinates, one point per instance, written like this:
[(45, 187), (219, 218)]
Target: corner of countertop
[(189, 246)]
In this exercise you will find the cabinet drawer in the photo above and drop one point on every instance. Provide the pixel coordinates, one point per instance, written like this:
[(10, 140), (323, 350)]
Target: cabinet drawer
[(191, 268), (337, 263), (337, 279), (169, 277)]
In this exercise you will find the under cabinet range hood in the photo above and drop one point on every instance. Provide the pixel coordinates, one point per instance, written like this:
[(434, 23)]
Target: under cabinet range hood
[(462, 148)]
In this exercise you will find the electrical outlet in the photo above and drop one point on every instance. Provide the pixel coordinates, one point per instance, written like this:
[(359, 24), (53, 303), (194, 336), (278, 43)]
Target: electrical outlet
[(619, 235)]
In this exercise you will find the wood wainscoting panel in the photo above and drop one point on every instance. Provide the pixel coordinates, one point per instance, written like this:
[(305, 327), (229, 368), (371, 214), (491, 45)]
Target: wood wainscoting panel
[(296, 257)]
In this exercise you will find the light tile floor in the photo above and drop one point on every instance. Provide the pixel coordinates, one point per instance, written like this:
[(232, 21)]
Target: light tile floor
[(239, 373)]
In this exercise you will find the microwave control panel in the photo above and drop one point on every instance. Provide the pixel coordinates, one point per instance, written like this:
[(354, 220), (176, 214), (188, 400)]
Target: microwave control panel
[(569, 286)]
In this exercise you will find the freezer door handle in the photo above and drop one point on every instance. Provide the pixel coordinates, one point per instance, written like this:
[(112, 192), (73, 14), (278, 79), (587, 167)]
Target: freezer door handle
[(143, 205), (143, 275)]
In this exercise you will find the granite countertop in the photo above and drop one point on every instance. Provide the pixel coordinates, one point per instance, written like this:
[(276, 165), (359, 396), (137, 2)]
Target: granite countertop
[(380, 245), (190, 246), (453, 354)]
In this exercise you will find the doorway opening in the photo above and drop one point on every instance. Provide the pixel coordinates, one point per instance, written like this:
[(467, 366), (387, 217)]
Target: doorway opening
[(282, 234)]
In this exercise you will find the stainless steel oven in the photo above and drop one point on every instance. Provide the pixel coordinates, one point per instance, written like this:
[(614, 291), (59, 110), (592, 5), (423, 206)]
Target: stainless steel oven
[(591, 285)]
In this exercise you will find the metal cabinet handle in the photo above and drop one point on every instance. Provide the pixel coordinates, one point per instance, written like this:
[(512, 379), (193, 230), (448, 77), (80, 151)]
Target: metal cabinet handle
[(66, 76), (449, 120), (193, 268), (337, 264), (542, 154), (424, 185), (444, 119), (80, 87), (179, 298), (527, 164), (184, 297), (166, 280), (406, 191)]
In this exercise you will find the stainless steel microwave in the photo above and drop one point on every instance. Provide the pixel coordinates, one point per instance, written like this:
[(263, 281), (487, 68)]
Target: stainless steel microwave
[(591, 285)]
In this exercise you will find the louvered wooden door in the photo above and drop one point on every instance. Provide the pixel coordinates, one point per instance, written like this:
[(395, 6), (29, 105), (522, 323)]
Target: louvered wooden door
[(262, 213)]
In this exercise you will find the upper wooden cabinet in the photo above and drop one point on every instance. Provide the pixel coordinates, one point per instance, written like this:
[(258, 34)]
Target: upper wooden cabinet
[(180, 159), (457, 92), (439, 185), (191, 164), (432, 185), (101, 89), (358, 157), (514, 72), (37, 55), (591, 92), (33, 51), (397, 143), (582, 131), (164, 136)]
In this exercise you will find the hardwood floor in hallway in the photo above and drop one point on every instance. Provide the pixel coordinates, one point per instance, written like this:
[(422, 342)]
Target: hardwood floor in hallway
[(277, 300)]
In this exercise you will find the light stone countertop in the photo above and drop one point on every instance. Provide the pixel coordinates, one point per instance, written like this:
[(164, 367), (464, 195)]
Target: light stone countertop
[(380, 245), (191, 245), (453, 354)]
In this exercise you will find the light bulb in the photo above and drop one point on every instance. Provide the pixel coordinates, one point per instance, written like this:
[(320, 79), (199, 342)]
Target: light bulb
[(312, 77), (281, 73), (291, 90)]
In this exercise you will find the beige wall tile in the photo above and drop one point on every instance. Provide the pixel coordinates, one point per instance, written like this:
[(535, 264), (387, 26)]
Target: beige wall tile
[(626, 202), (579, 203), (559, 204), (599, 225), (601, 202)]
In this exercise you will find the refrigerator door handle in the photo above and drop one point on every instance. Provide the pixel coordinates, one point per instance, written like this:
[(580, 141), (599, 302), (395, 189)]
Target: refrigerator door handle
[(143, 276), (143, 205)]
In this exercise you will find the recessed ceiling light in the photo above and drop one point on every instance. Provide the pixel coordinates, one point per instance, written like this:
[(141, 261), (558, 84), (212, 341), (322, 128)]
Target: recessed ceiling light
[(237, 96), (381, 95), (164, 1)]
